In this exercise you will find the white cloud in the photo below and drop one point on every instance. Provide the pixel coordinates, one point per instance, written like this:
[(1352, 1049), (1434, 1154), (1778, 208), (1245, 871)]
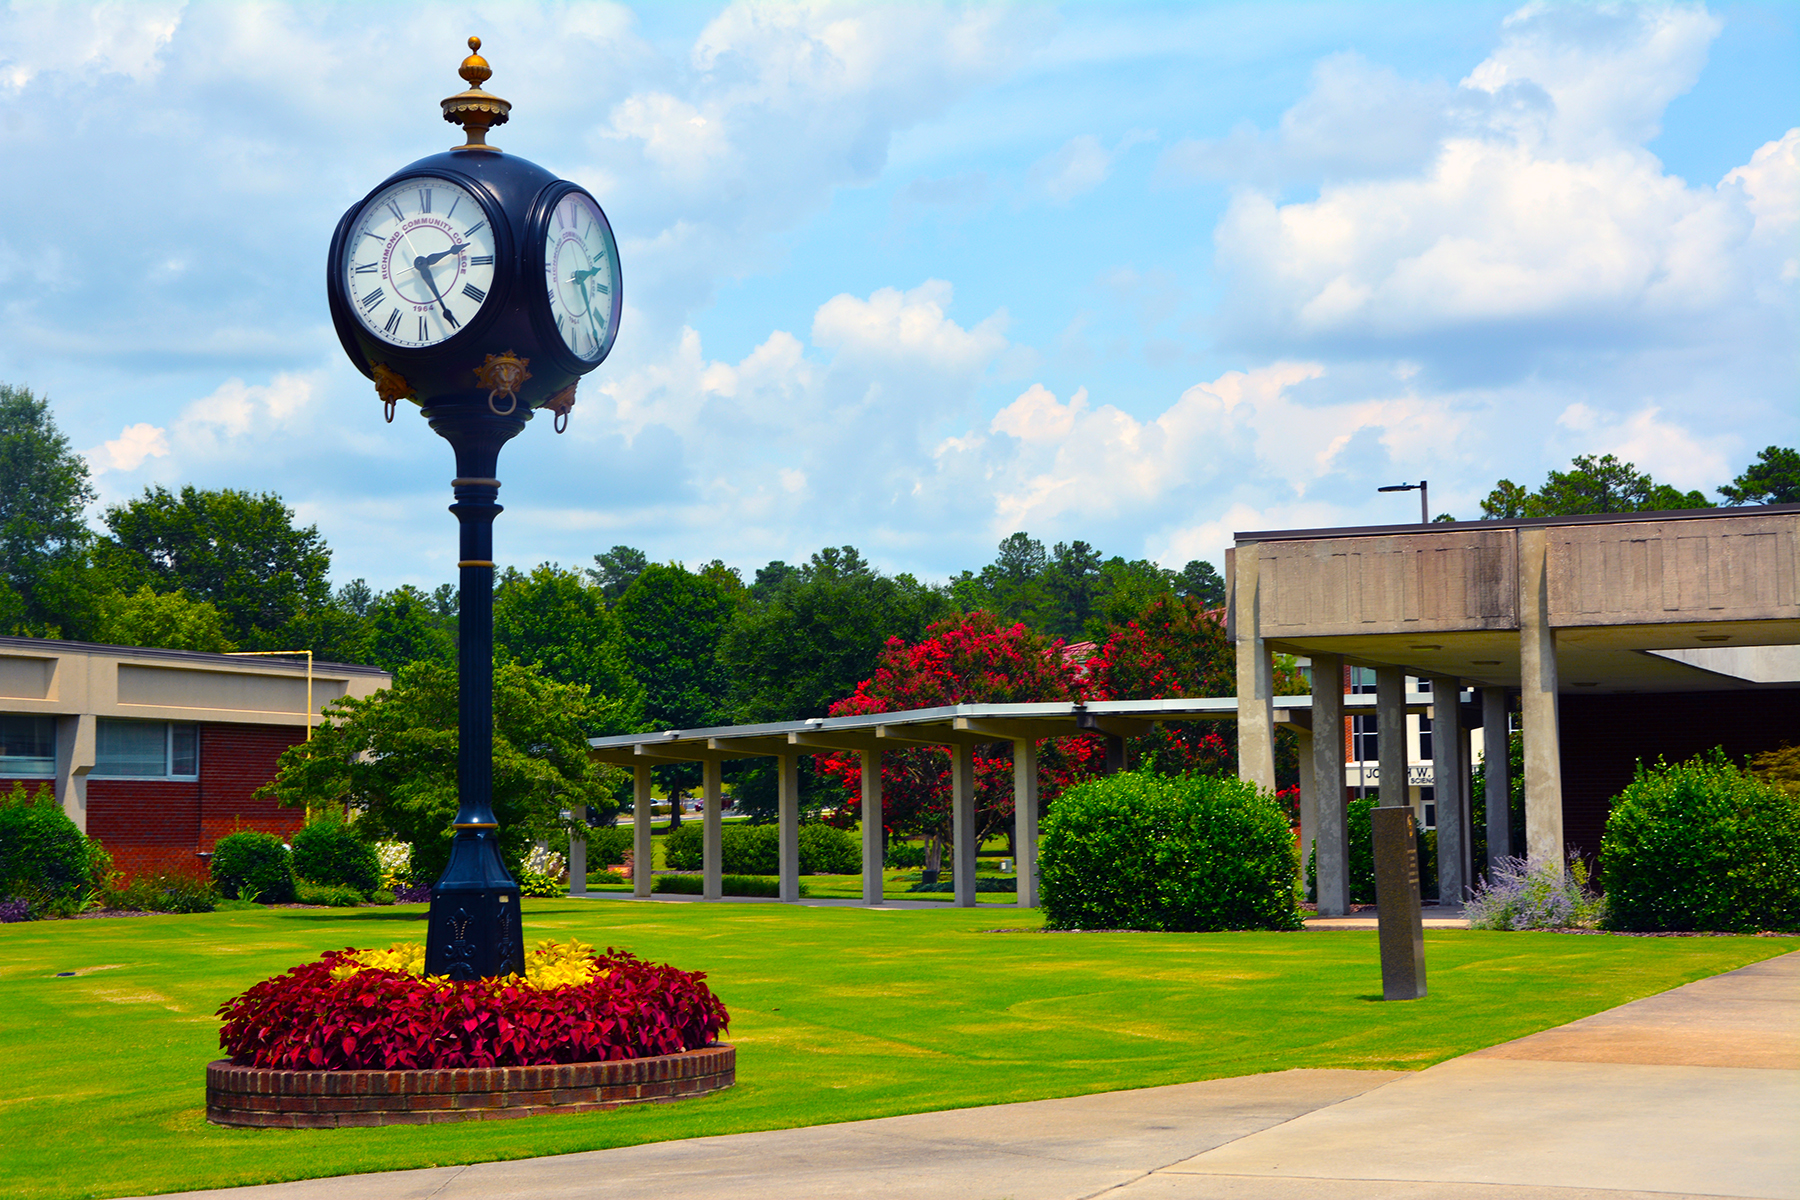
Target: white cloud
[(1671, 452), (1080, 166), (910, 326), (127, 452), (119, 37)]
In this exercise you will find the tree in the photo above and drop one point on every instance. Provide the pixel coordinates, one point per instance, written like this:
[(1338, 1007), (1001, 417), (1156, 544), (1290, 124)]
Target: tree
[(1774, 478), (1200, 581), (804, 638), (1591, 485), (1071, 581), (392, 759), (402, 627), (553, 621), (1126, 589), (615, 571), (976, 659), (671, 622), (239, 552), (170, 620), (355, 597), (44, 488)]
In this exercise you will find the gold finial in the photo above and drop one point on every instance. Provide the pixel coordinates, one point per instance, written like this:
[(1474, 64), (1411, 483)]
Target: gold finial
[(475, 110)]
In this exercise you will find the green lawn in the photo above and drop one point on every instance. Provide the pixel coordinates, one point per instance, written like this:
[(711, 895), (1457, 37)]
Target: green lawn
[(838, 1014)]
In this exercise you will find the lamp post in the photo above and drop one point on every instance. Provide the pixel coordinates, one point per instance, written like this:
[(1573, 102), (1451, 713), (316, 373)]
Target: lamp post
[(1424, 491), (480, 287)]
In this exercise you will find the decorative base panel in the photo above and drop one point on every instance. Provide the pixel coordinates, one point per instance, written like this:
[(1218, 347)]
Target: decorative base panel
[(268, 1098)]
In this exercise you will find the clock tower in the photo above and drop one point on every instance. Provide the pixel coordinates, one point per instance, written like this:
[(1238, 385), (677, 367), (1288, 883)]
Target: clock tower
[(479, 287)]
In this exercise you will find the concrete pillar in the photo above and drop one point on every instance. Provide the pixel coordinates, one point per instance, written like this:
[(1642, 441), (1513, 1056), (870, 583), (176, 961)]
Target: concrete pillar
[(1115, 753), (787, 818), (871, 826), (74, 759), (643, 852), (1255, 674), (1333, 864), (1025, 819), (1449, 776), (962, 823), (1390, 730), (1496, 801), (1309, 798), (577, 863), (1537, 692), (712, 859)]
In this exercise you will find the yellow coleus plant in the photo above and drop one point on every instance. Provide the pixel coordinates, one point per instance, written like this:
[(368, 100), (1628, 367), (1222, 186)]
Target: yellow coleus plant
[(550, 965)]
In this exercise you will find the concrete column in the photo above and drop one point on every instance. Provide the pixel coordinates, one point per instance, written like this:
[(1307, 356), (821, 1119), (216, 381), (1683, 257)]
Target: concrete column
[(1025, 819), (1449, 776), (962, 823), (1537, 691), (643, 852), (712, 848), (577, 864), (1496, 801), (1390, 729), (74, 759), (787, 817), (1255, 674), (871, 826), (1333, 865)]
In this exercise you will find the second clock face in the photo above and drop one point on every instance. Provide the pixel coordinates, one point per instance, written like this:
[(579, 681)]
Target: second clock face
[(581, 272), (419, 262)]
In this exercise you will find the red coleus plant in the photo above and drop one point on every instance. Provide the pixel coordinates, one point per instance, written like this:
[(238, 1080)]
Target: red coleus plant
[(305, 1020)]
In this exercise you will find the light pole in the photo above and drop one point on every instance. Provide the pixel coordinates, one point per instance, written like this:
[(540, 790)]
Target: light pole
[(1421, 487)]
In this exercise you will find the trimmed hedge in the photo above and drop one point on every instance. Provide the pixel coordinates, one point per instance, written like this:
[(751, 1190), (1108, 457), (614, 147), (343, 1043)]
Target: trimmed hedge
[(330, 853), (44, 860), (607, 846), (729, 885), (1193, 853), (1701, 845), (756, 849), (253, 865)]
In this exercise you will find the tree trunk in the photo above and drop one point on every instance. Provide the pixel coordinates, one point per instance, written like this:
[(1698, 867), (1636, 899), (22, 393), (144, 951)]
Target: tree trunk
[(674, 809), (934, 858)]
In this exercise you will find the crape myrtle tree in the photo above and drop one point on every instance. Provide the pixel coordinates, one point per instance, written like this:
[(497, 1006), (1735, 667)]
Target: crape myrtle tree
[(803, 638), (671, 621), (44, 586), (391, 759)]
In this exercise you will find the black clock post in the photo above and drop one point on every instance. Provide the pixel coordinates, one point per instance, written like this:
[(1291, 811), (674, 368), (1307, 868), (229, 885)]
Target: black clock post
[(405, 283)]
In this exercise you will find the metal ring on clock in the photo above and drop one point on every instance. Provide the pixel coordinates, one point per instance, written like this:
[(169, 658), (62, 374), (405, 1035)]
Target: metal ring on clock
[(511, 407)]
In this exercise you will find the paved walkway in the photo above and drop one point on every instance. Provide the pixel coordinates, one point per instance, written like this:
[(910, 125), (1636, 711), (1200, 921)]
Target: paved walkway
[(1691, 1093)]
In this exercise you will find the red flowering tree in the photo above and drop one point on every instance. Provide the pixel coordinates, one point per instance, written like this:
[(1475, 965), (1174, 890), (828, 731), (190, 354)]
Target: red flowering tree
[(975, 659)]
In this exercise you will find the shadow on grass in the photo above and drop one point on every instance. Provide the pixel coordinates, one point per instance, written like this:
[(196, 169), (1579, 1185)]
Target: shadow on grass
[(357, 914)]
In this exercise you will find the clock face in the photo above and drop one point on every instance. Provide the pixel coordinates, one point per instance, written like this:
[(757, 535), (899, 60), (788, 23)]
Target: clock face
[(419, 262), (581, 273)]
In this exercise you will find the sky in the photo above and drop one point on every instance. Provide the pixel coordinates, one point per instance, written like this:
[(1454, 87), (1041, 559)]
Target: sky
[(911, 277)]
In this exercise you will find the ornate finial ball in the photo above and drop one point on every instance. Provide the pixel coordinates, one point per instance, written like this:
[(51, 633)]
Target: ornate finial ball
[(475, 70)]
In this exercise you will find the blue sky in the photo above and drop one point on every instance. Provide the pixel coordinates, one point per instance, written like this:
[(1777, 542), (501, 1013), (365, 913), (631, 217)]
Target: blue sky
[(911, 277)]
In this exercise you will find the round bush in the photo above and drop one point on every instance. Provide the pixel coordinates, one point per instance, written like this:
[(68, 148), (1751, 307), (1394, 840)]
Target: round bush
[(253, 866), (1701, 845), (756, 849), (1194, 853), (330, 852), (826, 850), (43, 857)]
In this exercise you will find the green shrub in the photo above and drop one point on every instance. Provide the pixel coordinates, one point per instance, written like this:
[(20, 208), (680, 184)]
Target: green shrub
[(331, 895), (1701, 845), (756, 850), (44, 859), (903, 855), (381, 896), (825, 850), (253, 865), (1359, 839), (990, 884), (329, 851), (539, 884), (729, 885), (607, 846), (165, 891), (1142, 851)]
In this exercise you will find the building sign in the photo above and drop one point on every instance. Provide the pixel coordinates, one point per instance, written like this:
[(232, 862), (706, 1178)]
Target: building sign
[(1417, 775)]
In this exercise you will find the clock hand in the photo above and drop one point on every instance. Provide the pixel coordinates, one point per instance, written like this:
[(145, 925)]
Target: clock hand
[(431, 259), (425, 272)]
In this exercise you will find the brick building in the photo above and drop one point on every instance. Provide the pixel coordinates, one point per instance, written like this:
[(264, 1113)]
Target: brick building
[(156, 753)]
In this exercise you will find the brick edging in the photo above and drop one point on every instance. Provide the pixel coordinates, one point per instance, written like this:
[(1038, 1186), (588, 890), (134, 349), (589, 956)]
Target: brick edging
[(269, 1098)]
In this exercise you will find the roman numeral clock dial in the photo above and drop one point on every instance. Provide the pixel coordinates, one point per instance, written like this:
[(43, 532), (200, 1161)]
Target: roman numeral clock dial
[(581, 274), (419, 262)]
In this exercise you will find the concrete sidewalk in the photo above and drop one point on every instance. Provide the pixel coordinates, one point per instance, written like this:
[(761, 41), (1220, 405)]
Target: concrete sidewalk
[(1695, 1092)]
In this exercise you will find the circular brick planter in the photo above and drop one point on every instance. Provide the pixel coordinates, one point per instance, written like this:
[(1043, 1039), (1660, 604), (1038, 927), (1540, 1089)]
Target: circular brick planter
[(270, 1098)]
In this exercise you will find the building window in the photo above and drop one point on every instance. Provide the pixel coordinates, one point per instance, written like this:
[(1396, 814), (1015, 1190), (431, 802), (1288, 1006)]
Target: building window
[(27, 746), (1428, 802), (1424, 739), (146, 749), (1364, 740)]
